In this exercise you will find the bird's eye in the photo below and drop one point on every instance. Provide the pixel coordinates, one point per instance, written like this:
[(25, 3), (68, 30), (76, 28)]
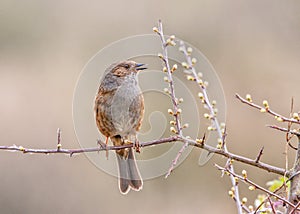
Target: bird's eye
[(126, 66)]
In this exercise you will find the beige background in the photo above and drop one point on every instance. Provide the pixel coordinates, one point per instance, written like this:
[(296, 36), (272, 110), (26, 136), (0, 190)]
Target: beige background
[(253, 45)]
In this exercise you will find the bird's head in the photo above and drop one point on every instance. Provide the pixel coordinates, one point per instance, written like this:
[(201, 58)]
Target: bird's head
[(124, 68)]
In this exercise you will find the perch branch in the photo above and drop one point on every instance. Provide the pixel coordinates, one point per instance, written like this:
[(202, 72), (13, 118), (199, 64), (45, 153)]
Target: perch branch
[(190, 142)]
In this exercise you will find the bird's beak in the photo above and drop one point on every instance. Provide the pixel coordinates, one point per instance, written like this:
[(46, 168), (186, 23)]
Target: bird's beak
[(139, 67)]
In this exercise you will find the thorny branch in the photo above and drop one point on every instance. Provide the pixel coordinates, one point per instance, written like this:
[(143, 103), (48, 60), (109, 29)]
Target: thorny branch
[(104, 147), (212, 116), (294, 193), (256, 186), (175, 101)]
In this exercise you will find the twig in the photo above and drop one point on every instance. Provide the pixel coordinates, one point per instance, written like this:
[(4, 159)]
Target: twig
[(268, 110), (174, 162), (213, 118), (294, 132), (295, 208), (271, 204), (176, 110), (246, 180), (58, 139), (259, 154)]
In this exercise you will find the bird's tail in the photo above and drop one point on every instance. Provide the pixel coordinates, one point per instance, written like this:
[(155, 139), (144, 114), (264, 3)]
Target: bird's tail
[(129, 175)]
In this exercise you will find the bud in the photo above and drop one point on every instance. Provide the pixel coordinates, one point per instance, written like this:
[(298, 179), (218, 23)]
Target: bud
[(165, 69), (199, 141), (174, 68), (186, 125), (172, 122), (296, 116), (189, 50), (172, 129), (220, 141), (200, 82), (248, 98), (244, 200), (279, 119), (166, 91), (166, 79), (194, 60), (262, 110), (181, 49), (215, 110), (160, 55), (251, 188), (190, 78), (207, 116), (179, 111), (266, 104), (236, 179), (155, 29), (244, 173), (172, 43), (200, 95), (185, 65), (170, 111)]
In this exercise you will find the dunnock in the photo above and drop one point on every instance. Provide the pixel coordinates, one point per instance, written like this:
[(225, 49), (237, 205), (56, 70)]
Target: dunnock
[(119, 110)]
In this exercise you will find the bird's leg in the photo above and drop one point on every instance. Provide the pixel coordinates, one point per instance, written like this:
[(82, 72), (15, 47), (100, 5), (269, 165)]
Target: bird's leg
[(136, 145), (103, 146)]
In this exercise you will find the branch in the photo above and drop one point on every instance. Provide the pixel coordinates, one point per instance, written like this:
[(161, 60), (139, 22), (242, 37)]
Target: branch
[(267, 109), (294, 195), (248, 181), (70, 152), (190, 142), (294, 132), (212, 115), (175, 101)]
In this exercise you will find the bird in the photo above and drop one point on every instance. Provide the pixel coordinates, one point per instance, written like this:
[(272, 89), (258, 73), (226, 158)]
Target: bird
[(119, 110)]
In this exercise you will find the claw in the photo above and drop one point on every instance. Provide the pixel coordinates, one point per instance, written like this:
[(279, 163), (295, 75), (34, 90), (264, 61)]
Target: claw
[(137, 146)]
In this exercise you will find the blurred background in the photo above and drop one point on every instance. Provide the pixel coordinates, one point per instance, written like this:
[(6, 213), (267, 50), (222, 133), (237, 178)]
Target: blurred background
[(253, 45)]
